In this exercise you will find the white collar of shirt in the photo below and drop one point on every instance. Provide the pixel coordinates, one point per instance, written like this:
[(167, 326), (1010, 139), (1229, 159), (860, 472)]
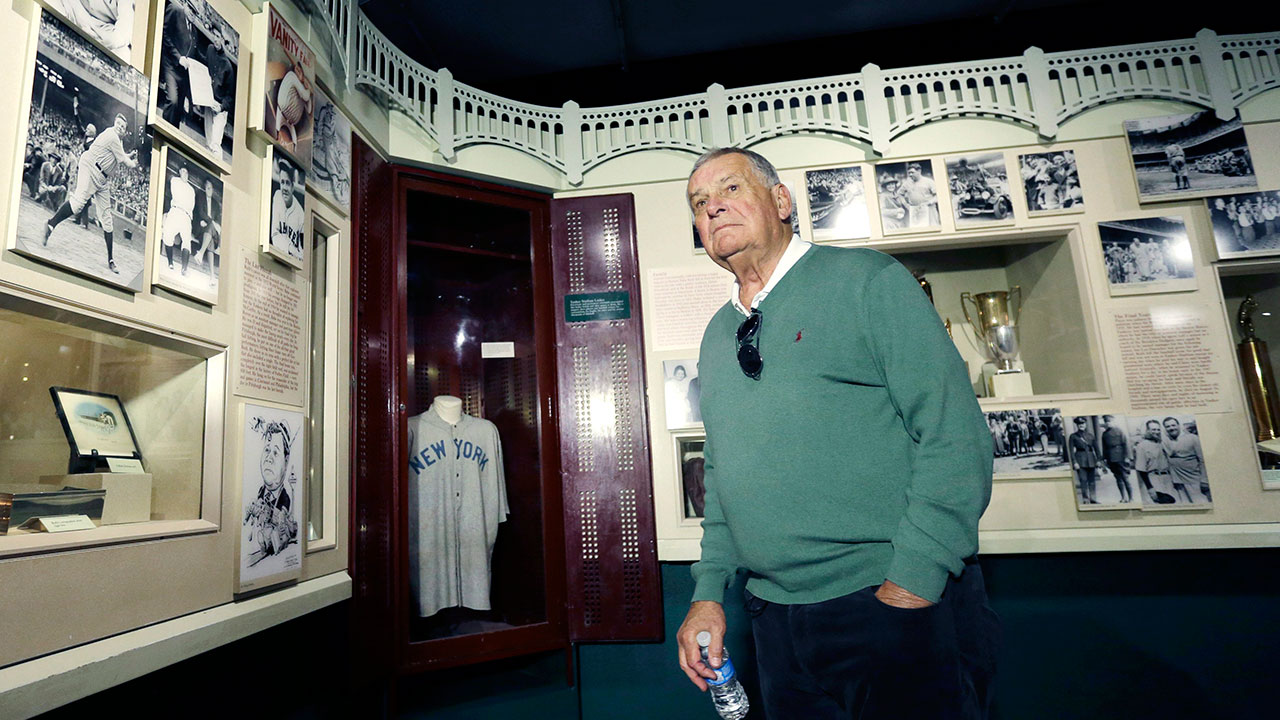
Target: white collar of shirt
[(795, 250)]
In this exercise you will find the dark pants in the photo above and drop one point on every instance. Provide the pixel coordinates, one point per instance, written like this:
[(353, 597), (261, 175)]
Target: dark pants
[(855, 657)]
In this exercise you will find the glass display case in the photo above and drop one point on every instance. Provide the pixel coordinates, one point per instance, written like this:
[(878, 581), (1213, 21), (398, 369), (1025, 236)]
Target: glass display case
[(1255, 327), (137, 415)]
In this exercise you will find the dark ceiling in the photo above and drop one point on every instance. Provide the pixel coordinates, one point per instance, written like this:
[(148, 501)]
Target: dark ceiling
[(600, 52)]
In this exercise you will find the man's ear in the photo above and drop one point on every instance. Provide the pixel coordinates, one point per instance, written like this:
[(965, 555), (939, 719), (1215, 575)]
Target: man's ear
[(784, 202)]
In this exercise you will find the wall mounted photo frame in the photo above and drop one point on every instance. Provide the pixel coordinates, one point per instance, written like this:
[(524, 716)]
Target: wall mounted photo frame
[(1245, 225), (282, 91), (109, 27), (187, 257), (1051, 183), (97, 427), (284, 217), (837, 204), (330, 174), (691, 469), (1169, 462), (1189, 156), (682, 390), (82, 195), (1028, 444), (979, 187), (272, 495), (1147, 255), (196, 56), (908, 197), (1102, 463)]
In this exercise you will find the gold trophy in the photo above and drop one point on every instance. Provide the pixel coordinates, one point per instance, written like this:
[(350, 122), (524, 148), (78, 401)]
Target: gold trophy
[(996, 330), (1259, 380)]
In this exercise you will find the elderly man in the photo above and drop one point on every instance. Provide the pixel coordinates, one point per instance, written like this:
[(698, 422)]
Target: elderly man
[(847, 464)]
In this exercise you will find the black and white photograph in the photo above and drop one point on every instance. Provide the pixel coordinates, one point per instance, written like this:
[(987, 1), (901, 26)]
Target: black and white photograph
[(187, 258), (908, 197), (95, 423), (1169, 463), (979, 185), (86, 177), (1028, 443), (837, 204), (107, 23), (331, 154), (195, 89), (1246, 225), (1181, 156), (1051, 183), (690, 457), (1102, 463), (284, 240), (683, 391), (698, 247), (271, 511), (1147, 255)]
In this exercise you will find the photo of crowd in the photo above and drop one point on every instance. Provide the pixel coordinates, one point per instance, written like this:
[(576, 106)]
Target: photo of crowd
[(86, 165), (979, 185), (908, 197), (1189, 155), (837, 204), (1145, 255), (1051, 182), (1028, 443), (1246, 224)]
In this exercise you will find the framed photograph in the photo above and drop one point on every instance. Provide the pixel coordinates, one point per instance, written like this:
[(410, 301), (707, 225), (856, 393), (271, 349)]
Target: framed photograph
[(96, 426), (699, 248), (979, 184), (692, 471), (109, 25), (187, 257), (194, 91), (683, 393), (1051, 183), (1102, 463), (837, 204), (1147, 255), (271, 497), (908, 197), (283, 107), (1185, 156), (82, 192), (1028, 443), (1245, 225), (1169, 463), (331, 156), (286, 219)]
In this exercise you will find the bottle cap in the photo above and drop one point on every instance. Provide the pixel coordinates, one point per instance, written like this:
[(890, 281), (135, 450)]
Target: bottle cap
[(704, 639)]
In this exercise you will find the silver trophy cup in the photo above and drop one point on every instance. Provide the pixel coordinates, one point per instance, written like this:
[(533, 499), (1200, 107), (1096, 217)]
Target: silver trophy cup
[(997, 327)]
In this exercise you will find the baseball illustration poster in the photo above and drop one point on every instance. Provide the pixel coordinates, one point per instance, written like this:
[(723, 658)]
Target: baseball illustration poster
[(271, 496), (288, 100), (84, 187), (331, 159)]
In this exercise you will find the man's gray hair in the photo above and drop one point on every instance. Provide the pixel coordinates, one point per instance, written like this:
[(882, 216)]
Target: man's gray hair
[(764, 169)]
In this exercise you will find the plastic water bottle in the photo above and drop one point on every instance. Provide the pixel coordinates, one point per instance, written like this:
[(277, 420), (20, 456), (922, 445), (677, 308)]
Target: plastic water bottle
[(727, 695)]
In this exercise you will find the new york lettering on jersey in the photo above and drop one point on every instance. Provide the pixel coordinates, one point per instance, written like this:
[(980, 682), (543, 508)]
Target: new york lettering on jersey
[(462, 450)]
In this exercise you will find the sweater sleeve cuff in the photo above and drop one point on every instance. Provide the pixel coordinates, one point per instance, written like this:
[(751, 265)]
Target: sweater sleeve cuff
[(917, 573), (710, 586)]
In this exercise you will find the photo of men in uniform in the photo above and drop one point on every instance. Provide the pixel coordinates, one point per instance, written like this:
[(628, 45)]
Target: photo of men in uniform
[(1146, 255), (331, 159), (837, 204), (109, 23), (1027, 443), (290, 86), (272, 508), (979, 186), (288, 192), (1102, 459), (83, 203), (187, 260), (196, 93), (912, 202), (1246, 225), (1051, 182), (1189, 155)]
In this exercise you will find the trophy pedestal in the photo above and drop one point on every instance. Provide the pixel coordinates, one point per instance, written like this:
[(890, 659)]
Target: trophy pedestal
[(1015, 383)]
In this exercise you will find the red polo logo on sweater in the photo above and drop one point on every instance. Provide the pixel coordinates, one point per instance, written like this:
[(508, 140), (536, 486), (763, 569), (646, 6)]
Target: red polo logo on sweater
[(799, 333)]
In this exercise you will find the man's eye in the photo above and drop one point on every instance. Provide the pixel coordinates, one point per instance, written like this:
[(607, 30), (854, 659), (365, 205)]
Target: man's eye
[(699, 204), (733, 188)]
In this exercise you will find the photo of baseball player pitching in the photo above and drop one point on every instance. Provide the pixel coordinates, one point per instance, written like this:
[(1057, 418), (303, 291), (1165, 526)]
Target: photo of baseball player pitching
[(90, 213)]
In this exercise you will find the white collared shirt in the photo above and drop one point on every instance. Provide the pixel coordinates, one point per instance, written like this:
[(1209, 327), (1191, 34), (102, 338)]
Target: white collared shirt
[(795, 250)]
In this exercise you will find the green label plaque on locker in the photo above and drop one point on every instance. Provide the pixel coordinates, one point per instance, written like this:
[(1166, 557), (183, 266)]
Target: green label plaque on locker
[(588, 307)]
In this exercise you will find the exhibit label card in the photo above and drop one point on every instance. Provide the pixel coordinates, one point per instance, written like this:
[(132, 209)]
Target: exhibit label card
[(683, 302), (273, 321), (63, 523), (1171, 360), (590, 307), (125, 465)]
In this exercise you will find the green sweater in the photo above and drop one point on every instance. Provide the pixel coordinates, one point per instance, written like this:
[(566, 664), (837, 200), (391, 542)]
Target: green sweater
[(859, 455)]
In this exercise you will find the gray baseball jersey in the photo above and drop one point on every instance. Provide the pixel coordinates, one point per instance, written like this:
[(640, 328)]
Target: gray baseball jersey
[(457, 497)]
